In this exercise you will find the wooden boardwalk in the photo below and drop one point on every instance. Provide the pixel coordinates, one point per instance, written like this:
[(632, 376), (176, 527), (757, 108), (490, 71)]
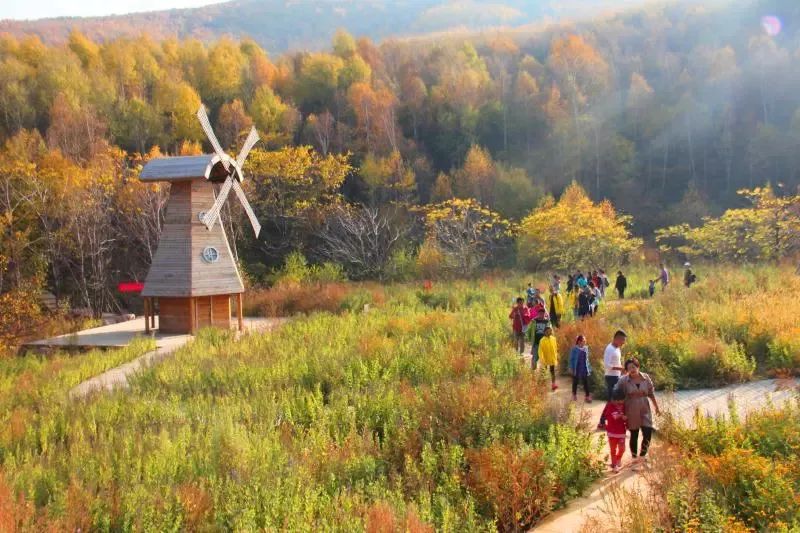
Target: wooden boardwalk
[(110, 336)]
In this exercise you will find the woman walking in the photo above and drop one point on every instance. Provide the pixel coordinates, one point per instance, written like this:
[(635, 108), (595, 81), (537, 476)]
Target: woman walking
[(548, 354), (639, 393), (580, 368)]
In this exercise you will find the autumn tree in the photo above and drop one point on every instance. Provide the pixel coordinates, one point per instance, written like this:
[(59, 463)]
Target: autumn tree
[(223, 76), (275, 120), (317, 82), (583, 75), (574, 231), (233, 122), (138, 127), (467, 235), (388, 178), (322, 127), (291, 189), (477, 176), (768, 230), (75, 130), (179, 102), (376, 120)]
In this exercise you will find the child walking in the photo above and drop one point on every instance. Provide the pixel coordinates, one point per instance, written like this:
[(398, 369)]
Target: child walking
[(535, 332), (548, 354), (616, 427), (580, 368), (519, 322)]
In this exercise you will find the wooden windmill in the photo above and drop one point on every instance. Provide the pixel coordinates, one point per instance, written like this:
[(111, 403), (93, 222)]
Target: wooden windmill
[(194, 275)]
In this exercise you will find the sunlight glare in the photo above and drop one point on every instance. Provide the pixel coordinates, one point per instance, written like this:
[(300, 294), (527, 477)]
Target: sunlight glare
[(772, 25)]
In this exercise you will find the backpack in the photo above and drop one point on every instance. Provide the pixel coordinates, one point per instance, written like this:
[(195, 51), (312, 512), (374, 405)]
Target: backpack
[(606, 283)]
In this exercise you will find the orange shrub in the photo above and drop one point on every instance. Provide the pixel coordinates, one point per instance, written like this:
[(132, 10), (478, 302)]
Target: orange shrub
[(515, 484), (414, 523), (292, 299), (381, 519), (16, 514), (197, 505)]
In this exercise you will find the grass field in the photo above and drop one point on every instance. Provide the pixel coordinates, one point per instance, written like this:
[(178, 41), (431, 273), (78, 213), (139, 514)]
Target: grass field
[(412, 415), (406, 416)]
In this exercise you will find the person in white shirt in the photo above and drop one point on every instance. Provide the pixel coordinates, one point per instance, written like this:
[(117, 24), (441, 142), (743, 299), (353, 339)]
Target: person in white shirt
[(612, 361)]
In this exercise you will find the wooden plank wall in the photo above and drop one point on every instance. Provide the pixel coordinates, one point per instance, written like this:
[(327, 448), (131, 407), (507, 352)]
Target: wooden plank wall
[(174, 315), (170, 273), (221, 277), (178, 267), (214, 311)]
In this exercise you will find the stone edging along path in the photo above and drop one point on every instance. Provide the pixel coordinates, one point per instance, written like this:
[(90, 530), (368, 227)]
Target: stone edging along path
[(118, 376)]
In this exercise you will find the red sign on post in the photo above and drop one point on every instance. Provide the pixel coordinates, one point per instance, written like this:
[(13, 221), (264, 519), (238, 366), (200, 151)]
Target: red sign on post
[(130, 286)]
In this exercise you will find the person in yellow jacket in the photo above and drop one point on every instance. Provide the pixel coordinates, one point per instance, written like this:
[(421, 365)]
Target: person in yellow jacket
[(556, 306), (572, 301), (548, 354)]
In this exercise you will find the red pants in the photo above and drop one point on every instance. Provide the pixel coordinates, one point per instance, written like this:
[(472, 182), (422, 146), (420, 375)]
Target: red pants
[(617, 447)]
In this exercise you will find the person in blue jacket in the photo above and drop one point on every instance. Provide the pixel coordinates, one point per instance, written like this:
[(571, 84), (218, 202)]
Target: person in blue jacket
[(580, 368)]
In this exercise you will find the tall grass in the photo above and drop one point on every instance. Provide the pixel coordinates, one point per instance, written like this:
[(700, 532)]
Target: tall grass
[(412, 413), (407, 416), (733, 325)]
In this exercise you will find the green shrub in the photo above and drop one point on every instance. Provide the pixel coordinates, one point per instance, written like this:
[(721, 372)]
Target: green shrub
[(356, 301), (783, 352), (402, 265), (296, 271), (438, 299)]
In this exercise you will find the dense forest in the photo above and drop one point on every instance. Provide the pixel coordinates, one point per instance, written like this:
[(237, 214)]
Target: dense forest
[(291, 25), (666, 112)]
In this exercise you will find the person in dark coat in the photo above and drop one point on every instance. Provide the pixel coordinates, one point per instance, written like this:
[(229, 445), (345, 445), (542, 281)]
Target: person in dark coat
[(621, 285)]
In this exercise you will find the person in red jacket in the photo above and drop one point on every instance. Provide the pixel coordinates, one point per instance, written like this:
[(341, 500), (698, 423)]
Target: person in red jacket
[(520, 318), (616, 427)]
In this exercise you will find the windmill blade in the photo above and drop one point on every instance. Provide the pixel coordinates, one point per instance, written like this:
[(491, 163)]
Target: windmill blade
[(252, 139), (237, 188), (213, 213), (202, 116)]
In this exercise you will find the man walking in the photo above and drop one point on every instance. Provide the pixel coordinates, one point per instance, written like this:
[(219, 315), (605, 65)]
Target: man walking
[(663, 276), (621, 285), (612, 361)]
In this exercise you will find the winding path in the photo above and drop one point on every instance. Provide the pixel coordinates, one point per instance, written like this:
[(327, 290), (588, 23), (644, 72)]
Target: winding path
[(746, 397)]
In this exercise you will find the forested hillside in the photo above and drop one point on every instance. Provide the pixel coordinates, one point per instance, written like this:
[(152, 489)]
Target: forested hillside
[(281, 25), (666, 112)]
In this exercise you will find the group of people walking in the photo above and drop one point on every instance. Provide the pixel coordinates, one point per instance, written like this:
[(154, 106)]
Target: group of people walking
[(585, 292), (629, 391)]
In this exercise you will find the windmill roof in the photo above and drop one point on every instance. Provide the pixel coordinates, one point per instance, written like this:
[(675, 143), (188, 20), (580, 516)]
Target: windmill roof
[(178, 168)]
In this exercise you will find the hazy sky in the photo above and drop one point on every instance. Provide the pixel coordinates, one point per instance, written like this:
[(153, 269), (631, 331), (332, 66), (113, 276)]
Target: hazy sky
[(34, 9)]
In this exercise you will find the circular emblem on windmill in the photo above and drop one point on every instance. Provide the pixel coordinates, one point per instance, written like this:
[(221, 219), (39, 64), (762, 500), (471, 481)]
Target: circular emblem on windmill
[(210, 254), (201, 215)]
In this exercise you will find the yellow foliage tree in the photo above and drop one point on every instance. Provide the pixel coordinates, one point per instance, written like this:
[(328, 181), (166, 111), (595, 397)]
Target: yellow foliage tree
[(574, 232), (467, 235), (389, 178), (769, 230)]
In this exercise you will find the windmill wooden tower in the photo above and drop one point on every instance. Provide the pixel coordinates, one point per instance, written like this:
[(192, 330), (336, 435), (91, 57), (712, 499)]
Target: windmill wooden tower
[(194, 275)]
